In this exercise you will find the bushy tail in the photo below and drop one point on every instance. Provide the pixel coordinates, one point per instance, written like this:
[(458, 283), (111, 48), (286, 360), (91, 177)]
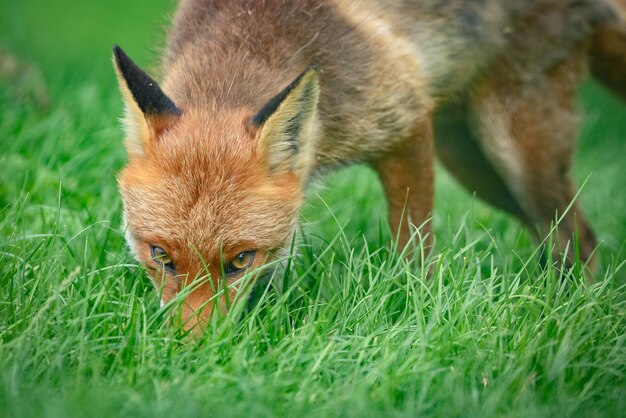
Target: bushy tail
[(608, 50)]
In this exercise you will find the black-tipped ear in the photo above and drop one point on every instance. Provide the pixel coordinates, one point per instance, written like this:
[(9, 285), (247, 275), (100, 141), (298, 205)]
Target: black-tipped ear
[(288, 126), (145, 91), (272, 105)]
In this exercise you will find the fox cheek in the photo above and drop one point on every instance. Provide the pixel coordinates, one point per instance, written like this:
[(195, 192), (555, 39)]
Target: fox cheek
[(132, 244), (131, 241)]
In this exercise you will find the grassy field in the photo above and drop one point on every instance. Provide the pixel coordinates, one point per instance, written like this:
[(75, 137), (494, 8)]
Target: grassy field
[(352, 332)]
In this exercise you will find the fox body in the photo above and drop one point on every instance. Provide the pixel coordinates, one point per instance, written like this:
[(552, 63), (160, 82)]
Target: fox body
[(259, 96)]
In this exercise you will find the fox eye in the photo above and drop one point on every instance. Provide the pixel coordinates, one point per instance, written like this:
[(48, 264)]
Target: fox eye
[(241, 262), (159, 255)]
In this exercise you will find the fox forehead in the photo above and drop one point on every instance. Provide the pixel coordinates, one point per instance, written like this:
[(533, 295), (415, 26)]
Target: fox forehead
[(215, 221), (204, 143), (202, 185)]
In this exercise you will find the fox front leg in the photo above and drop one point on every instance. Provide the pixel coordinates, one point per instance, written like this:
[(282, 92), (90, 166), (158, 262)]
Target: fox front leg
[(407, 177)]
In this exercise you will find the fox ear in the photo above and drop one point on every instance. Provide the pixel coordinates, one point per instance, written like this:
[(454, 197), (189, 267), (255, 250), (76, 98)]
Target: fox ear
[(288, 126), (148, 110)]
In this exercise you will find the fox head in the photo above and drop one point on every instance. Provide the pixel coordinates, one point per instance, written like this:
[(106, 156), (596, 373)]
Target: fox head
[(210, 194)]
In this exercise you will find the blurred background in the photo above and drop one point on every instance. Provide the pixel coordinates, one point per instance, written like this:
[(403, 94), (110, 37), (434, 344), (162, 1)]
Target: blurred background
[(66, 36)]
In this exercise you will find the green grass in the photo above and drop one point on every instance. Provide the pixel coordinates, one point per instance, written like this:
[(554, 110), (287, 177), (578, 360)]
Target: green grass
[(353, 330)]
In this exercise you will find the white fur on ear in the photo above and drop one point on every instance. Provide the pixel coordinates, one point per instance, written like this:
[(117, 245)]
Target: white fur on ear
[(134, 124), (289, 126)]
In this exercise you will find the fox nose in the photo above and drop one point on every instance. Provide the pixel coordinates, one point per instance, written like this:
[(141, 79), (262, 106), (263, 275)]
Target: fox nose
[(191, 318)]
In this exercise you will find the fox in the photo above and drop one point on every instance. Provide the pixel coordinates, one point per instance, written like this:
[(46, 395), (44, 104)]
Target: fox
[(258, 98)]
